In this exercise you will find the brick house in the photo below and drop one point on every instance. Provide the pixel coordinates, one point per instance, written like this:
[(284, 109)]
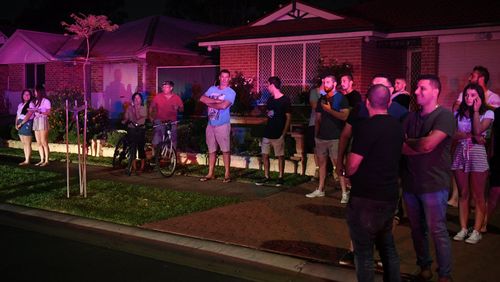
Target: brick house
[(401, 38), (121, 62)]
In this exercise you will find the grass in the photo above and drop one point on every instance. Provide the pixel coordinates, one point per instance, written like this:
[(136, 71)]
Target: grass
[(107, 200), (238, 174)]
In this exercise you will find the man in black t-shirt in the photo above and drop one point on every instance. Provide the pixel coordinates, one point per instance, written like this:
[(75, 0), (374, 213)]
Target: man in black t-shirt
[(427, 175), (372, 167), (354, 99), (278, 122)]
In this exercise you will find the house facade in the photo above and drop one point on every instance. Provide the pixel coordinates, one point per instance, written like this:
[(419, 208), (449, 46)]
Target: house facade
[(403, 40), (121, 62)]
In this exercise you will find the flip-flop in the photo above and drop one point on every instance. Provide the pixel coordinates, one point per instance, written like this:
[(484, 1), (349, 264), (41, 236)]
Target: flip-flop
[(226, 180), (203, 179)]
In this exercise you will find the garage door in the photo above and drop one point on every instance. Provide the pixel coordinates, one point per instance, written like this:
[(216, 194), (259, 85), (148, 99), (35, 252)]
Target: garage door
[(456, 61)]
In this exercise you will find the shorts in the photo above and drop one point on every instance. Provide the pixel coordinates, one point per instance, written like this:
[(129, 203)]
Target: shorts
[(470, 158), (278, 146), (41, 123), (218, 135), (159, 132), (26, 129), (327, 148)]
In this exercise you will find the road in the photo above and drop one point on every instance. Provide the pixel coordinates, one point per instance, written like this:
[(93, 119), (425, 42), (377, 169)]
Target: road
[(32, 256)]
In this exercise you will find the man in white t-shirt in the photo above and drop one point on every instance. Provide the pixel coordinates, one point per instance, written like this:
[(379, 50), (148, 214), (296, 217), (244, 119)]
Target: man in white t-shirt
[(481, 76)]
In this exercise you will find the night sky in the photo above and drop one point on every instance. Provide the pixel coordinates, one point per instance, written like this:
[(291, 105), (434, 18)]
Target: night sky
[(46, 15)]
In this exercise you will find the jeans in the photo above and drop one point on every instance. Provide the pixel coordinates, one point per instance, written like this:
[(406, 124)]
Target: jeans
[(427, 212), (370, 223)]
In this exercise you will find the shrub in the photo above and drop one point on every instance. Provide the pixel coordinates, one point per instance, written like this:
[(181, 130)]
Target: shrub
[(97, 119), (112, 137), (244, 101)]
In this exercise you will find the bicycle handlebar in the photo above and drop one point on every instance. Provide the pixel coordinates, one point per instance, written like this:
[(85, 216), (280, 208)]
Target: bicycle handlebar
[(166, 123)]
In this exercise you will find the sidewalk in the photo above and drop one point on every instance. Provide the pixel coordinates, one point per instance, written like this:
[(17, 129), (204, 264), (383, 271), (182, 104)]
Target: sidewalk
[(283, 221)]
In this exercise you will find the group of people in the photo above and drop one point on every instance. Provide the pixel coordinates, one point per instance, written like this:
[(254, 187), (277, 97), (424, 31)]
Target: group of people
[(32, 116), (163, 109), (380, 146)]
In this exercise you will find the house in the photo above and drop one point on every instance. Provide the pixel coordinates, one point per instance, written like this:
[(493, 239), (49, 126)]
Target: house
[(122, 62), (402, 38)]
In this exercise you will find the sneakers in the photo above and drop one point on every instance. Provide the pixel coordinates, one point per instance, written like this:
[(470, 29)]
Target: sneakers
[(345, 198), (280, 182), (347, 259), (262, 181), (474, 237), (317, 193), (461, 235)]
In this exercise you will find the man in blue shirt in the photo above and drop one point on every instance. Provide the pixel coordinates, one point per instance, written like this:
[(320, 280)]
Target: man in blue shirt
[(219, 100)]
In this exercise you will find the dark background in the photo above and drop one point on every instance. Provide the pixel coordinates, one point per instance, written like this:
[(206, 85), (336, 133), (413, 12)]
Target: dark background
[(46, 15)]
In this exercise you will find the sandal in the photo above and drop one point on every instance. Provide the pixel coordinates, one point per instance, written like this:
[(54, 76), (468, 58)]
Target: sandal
[(226, 180), (204, 179)]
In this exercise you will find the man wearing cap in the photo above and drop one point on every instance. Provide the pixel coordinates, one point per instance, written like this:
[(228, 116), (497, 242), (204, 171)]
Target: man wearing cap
[(165, 107)]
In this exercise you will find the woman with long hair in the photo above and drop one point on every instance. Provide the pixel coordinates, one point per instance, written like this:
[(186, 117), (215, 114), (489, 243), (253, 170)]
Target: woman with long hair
[(470, 162), (41, 124), (24, 123), (135, 118)]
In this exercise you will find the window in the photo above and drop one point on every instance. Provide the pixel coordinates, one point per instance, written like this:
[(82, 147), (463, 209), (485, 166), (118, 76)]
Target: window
[(35, 75), (296, 64)]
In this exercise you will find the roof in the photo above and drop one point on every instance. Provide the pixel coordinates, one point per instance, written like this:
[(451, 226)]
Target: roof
[(393, 16), (377, 16), (130, 40)]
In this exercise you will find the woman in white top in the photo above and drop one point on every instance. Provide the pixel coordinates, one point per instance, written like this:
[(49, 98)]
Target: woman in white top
[(24, 123), (470, 162), (41, 124)]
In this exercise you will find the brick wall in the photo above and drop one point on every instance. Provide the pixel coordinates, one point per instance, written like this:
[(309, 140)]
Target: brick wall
[(381, 60), (241, 58), (16, 77), (4, 76), (344, 50), (430, 53), (60, 75), (154, 60)]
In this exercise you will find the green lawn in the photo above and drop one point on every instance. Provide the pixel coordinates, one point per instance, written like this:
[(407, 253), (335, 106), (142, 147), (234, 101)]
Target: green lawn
[(110, 200), (237, 174), (107, 200)]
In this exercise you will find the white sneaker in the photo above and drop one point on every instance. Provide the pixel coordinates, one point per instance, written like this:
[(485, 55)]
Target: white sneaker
[(345, 198), (474, 237), (315, 194), (461, 235)]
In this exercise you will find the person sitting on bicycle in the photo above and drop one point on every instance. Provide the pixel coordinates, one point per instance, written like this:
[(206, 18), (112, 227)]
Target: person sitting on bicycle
[(135, 117), (164, 108)]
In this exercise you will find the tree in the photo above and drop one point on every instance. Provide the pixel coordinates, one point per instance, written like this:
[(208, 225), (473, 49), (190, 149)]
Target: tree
[(84, 27)]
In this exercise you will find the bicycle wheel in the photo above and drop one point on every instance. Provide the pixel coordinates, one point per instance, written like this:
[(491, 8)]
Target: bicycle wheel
[(121, 154), (166, 159)]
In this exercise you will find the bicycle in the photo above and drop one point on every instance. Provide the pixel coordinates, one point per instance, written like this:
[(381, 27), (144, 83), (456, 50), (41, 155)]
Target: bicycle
[(165, 153), (122, 157)]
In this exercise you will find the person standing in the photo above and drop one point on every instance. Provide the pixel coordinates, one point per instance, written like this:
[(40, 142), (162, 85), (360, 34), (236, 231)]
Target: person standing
[(278, 122), (400, 95), (24, 123), (372, 167), (164, 108), (354, 99), (41, 124), (426, 177), (470, 162), (314, 97), (331, 112), (135, 118), (219, 100)]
